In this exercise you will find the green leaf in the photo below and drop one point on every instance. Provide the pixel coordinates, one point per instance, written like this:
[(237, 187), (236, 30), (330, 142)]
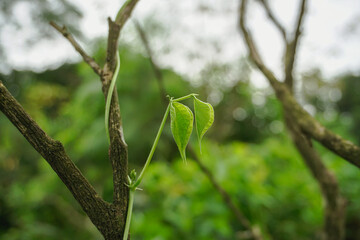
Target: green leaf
[(181, 125), (204, 117)]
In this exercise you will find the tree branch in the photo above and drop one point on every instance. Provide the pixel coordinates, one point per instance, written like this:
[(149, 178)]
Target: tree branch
[(335, 204), (302, 126), (308, 124), (118, 152), (291, 48), (274, 20), (254, 54), (254, 233), (89, 60), (54, 153), (299, 22), (312, 128), (114, 31), (125, 12), (156, 69)]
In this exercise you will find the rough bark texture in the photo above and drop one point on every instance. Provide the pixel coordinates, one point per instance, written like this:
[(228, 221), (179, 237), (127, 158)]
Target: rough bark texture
[(101, 213), (109, 218)]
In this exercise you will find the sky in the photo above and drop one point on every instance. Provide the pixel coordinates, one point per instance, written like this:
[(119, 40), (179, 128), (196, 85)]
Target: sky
[(203, 32)]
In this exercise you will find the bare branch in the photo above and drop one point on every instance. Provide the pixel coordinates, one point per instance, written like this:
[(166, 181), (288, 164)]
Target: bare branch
[(335, 204), (301, 126), (308, 124), (255, 234), (89, 60), (156, 69), (274, 20), (54, 153), (118, 148), (291, 48), (312, 128), (253, 51), (125, 12), (118, 151), (299, 22), (114, 31)]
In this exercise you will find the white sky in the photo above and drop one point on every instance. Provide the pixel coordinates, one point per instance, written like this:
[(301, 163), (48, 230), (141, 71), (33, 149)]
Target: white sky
[(196, 38)]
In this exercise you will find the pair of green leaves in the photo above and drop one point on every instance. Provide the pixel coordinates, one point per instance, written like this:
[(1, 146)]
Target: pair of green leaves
[(182, 120)]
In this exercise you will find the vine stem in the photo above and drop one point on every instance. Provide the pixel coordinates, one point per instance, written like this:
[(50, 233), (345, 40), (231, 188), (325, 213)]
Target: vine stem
[(109, 96), (129, 213), (148, 160), (185, 97), (133, 185)]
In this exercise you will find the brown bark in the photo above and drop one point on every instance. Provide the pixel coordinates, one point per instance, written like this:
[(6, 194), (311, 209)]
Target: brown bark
[(303, 127), (89, 60), (345, 149), (109, 218), (291, 48), (335, 204), (118, 151), (101, 213)]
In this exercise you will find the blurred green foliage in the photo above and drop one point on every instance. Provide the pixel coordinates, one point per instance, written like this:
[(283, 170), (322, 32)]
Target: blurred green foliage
[(247, 150)]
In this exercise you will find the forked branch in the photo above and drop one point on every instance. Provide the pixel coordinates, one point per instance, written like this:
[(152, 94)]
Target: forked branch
[(54, 153), (303, 127), (89, 60), (308, 124), (291, 48), (118, 148), (272, 17)]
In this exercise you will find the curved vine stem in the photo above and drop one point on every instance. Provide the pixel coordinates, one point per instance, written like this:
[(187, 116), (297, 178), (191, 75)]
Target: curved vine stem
[(132, 183), (109, 95), (129, 213), (156, 141)]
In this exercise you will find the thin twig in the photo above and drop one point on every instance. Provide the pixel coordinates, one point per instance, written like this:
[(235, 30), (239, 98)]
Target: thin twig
[(254, 54), (156, 69), (89, 60), (291, 48), (115, 27), (299, 22), (272, 17), (125, 12), (255, 234)]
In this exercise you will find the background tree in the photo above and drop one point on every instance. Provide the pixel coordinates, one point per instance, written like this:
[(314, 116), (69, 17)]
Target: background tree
[(302, 126)]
